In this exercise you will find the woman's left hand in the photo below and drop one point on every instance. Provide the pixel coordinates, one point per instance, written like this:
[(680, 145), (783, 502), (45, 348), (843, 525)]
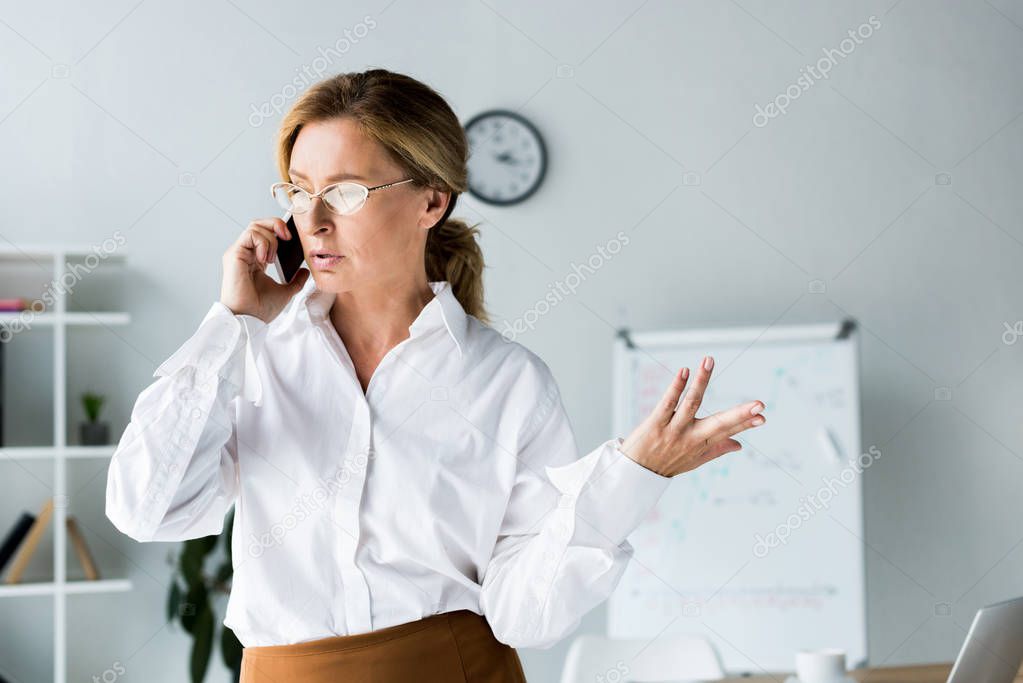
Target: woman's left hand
[(672, 441)]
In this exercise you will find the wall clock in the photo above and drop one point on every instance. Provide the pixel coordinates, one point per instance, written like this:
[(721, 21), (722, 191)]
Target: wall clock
[(507, 157)]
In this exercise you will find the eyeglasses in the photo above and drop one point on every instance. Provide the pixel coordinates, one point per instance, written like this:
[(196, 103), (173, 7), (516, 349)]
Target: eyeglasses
[(344, 198)]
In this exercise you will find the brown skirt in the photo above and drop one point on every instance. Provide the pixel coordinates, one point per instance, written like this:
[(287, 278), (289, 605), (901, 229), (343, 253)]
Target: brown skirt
[(450, 647)]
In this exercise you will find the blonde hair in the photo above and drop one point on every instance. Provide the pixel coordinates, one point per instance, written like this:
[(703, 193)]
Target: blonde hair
[(422, 134)]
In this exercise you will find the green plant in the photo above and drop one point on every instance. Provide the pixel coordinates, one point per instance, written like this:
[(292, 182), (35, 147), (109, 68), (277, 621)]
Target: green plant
[(92, 403), (190, 602)]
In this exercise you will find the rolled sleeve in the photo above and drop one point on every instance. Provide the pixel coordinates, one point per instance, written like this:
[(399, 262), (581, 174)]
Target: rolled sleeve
[(562, 545), (611, 493), (220, 336), (175, 472)]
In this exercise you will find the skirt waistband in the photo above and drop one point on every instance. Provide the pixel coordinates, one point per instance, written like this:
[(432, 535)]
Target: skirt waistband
[(360, 640)]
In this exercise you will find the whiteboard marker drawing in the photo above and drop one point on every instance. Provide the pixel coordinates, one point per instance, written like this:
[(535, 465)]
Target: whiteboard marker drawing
[(830, 444)]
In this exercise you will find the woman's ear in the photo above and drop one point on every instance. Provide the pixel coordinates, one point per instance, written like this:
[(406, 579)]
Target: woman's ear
[(436, 206)]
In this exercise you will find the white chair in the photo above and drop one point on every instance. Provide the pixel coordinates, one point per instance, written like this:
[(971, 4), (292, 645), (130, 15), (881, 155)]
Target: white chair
[(596, 659)]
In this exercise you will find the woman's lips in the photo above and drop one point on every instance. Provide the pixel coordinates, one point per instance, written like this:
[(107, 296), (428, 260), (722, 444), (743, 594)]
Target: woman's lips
[(325, 262)]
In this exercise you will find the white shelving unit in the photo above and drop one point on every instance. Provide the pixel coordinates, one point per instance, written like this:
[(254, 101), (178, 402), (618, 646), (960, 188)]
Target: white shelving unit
[(55, 258)]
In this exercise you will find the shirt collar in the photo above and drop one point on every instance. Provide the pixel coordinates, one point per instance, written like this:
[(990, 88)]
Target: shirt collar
[(443, 309)]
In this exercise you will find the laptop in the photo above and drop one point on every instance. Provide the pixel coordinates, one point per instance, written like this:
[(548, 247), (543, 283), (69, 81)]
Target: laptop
[(993, 648)]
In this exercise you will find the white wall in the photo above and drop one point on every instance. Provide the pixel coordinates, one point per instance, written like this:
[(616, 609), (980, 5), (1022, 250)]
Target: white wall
[(650, 128)]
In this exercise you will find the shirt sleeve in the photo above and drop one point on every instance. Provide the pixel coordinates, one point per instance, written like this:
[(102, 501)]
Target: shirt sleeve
[(562, 547), (174, 472)]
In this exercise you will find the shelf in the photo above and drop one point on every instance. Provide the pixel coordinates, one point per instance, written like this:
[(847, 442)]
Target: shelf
[(70, 318), (31, 251), (44, 452), (97, 302), (70, 588)]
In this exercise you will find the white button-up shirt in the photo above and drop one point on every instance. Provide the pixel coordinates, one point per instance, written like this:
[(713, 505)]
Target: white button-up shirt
[(453, 482)]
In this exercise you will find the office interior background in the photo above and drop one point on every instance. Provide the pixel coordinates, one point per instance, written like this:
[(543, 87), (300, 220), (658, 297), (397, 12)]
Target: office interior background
[(751, 191)]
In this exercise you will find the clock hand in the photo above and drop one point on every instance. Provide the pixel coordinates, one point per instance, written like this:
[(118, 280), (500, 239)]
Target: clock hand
[(507, 158)]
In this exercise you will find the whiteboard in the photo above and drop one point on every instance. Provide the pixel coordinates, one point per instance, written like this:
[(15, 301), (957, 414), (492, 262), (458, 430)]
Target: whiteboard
[(761, 550)]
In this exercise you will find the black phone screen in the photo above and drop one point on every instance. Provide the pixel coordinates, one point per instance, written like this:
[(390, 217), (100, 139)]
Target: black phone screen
[(289, 253)]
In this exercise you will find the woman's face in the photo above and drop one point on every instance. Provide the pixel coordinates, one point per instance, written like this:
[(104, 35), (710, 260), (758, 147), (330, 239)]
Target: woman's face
[(384, 241)]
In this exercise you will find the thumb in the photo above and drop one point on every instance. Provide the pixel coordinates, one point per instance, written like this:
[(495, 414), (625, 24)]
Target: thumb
[(295, 285)]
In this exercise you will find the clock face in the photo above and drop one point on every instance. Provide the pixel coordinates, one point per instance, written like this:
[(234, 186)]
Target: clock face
[(507, 157)]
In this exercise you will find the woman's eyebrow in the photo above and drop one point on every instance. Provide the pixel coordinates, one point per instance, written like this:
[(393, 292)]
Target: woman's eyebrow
[(336, 177)]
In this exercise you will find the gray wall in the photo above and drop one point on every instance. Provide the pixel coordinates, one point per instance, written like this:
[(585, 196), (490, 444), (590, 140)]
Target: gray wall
[(894, 182)]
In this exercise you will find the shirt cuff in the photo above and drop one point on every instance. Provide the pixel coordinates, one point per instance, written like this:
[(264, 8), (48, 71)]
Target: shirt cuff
[(611, 493), (215, 346)]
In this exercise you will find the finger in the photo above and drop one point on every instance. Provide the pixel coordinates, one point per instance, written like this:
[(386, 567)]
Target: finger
[(300, 278), (668, 403), (691, 403), (741, 427), (261, 242), (274, 224), (727, 422), (260, 245), (748, 424), (257, 227), (719, 448)]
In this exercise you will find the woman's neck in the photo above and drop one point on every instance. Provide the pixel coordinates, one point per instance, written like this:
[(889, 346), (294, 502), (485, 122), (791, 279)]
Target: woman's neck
[(373, 320)]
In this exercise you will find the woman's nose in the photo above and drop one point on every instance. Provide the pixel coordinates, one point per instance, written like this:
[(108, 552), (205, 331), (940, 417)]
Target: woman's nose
[(318, 218)]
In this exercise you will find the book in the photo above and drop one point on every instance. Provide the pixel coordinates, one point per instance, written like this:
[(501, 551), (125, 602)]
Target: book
[(82, 550), (27, 532), (28, 548), (15, 304), (3, 351), (14, 537)]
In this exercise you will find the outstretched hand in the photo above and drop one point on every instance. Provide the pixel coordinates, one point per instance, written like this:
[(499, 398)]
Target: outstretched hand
[(672, 440)]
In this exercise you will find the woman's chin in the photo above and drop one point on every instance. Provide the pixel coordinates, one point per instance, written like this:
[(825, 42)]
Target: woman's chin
[(331, 280)]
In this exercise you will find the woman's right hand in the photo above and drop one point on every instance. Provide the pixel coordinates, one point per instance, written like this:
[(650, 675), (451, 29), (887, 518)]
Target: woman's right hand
[(246, 288)]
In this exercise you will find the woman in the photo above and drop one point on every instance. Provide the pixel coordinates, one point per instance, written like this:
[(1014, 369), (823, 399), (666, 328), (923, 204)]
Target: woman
[(410, 502)]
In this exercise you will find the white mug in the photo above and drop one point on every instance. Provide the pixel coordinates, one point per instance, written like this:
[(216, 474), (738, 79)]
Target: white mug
[(820, 666)]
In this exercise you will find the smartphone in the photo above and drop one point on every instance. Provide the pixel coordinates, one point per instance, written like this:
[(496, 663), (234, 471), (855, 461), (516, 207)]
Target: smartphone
[(289, 256)]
